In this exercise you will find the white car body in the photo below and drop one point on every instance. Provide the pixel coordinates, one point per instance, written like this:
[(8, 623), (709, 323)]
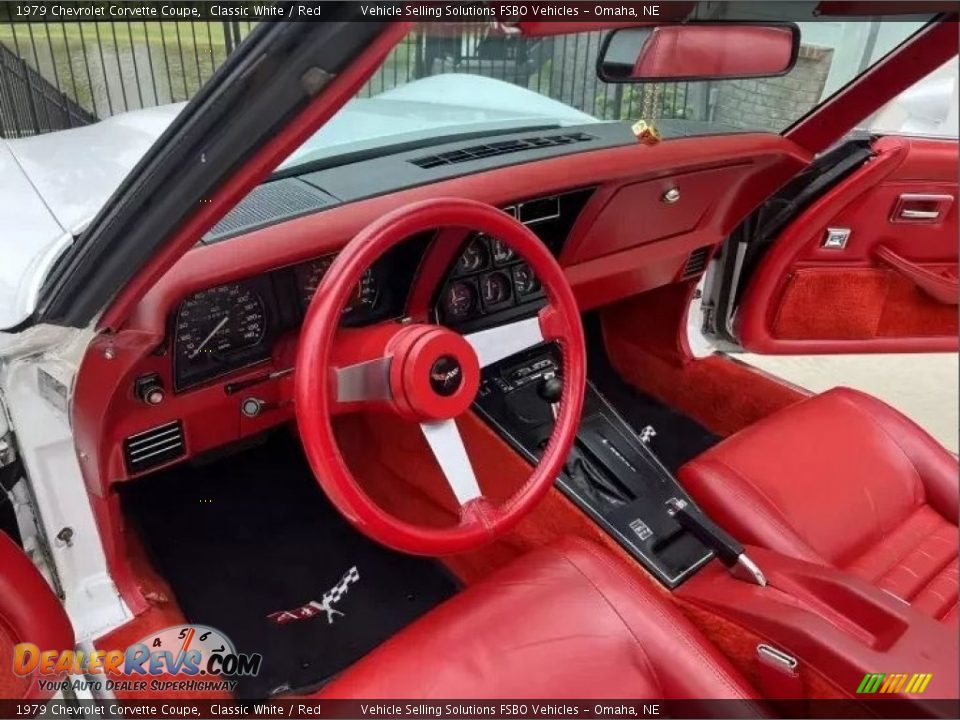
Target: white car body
[(52, 185)]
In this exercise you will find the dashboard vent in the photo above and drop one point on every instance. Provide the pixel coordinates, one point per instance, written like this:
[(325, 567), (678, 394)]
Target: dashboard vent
[(696, 263), (154, 447), (478, 152), (269, 202)]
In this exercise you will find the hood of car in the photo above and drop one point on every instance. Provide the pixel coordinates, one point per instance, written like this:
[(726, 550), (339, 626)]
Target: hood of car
[(52, 185)]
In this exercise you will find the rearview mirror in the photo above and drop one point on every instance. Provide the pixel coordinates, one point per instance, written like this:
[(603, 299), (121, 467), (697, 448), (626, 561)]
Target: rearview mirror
[(698, 51)]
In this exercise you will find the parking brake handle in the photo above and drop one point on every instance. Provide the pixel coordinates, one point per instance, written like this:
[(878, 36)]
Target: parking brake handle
[(728, 550)]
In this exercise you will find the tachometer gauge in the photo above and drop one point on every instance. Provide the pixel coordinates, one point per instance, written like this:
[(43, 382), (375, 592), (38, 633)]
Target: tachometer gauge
[(310, 275), (219, 322), (475, 256), (459, 300), (365, 295)]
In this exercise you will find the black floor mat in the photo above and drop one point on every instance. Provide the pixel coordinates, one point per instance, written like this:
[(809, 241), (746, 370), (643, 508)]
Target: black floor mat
[(678, 438), (253, 535)]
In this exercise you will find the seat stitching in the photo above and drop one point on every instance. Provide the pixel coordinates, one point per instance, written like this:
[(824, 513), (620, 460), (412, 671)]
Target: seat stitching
[(887, 569), (940, 572), (645, 599)]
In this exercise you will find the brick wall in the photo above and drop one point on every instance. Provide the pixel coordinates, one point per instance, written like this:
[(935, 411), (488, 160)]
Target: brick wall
[(774, 103)]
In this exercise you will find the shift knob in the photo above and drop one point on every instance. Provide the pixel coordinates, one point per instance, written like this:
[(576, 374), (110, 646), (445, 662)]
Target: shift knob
[(550, 389)]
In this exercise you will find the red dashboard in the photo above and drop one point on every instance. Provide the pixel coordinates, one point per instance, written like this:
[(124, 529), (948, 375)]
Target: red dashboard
[(645, 211)]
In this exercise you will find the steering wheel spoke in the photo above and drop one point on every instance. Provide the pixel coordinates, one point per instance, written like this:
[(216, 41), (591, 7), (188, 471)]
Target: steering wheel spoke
[(443, 437), (503, 341), (363, 382)]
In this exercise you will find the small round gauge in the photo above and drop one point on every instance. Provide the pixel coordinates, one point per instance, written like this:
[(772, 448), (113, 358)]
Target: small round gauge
[(219, 322), (475, 256), (502, 253), (524, 281), (460, 300), (495, 289)]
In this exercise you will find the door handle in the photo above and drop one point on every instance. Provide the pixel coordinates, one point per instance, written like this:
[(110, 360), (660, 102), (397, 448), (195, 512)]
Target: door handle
[(908, 214), (918, 208)]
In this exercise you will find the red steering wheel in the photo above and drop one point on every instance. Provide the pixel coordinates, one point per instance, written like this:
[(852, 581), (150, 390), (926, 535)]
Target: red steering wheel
[(430, 374)]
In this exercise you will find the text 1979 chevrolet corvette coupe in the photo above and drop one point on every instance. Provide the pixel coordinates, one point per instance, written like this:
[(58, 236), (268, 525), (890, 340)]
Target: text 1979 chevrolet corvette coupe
[(461, 309)]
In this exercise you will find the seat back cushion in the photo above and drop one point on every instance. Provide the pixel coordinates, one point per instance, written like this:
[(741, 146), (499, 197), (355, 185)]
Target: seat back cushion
[(30, 612), (822, 480)]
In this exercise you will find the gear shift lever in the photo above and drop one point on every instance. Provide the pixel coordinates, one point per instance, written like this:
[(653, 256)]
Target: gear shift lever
[(550, 389)]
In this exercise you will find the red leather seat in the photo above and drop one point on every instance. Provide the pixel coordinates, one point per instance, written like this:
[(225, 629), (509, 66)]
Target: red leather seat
[(29, 612), (565, 621), (842, 479)]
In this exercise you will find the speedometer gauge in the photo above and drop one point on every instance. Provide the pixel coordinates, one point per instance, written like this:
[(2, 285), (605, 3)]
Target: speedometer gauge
[(217, 330)]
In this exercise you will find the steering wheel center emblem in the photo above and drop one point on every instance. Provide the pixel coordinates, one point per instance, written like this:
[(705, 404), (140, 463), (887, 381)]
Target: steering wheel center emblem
[(446, 375)]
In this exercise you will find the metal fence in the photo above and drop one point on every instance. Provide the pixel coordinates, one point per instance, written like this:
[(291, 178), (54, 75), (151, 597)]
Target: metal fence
[(29, 104), (60, 75)]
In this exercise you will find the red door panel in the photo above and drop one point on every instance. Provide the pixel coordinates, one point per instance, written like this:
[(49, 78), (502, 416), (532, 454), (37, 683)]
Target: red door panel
[(871, 266)]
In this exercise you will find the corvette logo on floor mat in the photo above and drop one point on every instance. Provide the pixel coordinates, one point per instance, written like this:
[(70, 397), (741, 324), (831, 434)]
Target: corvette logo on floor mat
[(325, 604)]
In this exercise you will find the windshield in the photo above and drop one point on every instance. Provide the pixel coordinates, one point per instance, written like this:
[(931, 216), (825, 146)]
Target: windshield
[(85, 101), (446, 80)]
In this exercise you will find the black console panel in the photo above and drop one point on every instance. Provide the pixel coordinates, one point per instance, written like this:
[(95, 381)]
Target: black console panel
[(611, 474)]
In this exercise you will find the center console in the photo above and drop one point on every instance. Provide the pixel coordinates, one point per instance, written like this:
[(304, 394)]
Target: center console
[(610, 474), (818, 631)]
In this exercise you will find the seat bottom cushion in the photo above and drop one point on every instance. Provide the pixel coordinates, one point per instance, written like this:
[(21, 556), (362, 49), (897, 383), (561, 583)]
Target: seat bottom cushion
[(566, 621), (843, 480), (917, 563)]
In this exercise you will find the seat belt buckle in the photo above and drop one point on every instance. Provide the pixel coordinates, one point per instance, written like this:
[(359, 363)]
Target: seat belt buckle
[(728, 550)]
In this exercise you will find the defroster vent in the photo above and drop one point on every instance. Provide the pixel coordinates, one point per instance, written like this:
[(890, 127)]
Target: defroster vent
[(268, 203), (478, 152), (154, 447)]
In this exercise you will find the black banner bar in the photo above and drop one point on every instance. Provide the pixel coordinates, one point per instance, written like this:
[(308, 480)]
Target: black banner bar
[(469, 709), (42, 11)]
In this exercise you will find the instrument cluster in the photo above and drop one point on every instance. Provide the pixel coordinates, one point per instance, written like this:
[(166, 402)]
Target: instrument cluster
[(233, 326), (220, 330), (489, 283), (488, 277)]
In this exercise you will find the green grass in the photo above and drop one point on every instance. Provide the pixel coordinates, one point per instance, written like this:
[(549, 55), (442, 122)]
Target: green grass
[(113, 67)]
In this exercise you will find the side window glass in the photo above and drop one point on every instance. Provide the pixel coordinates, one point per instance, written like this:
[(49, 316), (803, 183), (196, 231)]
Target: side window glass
[(928, 109)]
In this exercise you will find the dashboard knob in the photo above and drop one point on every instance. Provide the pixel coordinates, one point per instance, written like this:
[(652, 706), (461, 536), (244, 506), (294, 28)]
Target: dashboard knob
[(149, 390), (251, 407)]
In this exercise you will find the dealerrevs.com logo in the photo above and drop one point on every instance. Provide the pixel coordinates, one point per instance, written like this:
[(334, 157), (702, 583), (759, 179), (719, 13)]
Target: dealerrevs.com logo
[(180, 657)]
